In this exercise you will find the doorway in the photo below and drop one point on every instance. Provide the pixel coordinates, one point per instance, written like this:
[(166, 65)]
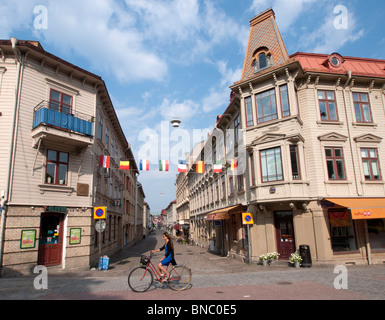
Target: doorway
[(51, 239), (285, 233)]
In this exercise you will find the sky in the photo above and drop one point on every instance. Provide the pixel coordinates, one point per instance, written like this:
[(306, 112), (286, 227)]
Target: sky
[(166, 59)]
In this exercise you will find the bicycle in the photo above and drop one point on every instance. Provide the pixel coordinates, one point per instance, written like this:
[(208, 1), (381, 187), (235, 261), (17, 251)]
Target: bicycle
[(141, 278)]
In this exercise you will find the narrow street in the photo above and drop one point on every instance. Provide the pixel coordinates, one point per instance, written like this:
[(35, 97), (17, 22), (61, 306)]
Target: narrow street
[(213, 278)]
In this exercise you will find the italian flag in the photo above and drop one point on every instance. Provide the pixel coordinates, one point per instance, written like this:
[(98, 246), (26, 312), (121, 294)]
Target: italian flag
[(104, 162), (144, 165), (217, 167), (124, 165), (163, 165), (200, 167)]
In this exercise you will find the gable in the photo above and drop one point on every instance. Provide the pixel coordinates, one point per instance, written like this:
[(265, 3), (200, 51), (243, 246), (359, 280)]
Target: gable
[(333, 136), (368, 138)]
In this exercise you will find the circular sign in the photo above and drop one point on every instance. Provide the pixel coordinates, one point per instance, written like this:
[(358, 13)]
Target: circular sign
[(248, 218), (99, 212), (100, 225)]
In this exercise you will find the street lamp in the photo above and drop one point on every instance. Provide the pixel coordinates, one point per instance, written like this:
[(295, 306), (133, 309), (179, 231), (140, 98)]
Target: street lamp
[(175, 123)]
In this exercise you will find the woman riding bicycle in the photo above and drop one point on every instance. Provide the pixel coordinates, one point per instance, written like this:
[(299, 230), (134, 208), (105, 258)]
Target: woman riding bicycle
[(168, 256)]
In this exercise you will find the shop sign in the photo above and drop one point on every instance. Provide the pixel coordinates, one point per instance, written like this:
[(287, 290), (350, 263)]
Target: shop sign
[(55, 209), (75, 236)]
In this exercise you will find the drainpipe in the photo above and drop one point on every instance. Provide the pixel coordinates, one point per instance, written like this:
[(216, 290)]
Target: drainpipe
[(367, 244), (6, 195)]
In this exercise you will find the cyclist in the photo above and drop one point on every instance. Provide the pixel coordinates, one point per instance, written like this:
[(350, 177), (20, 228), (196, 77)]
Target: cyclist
[(168, 256)]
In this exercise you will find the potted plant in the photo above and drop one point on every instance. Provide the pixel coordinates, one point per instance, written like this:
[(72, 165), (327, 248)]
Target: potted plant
[(272, 256), (263, 259), (295, 259)]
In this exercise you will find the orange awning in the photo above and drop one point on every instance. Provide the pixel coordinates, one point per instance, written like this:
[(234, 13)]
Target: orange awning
[(362, 208), (223, 214)]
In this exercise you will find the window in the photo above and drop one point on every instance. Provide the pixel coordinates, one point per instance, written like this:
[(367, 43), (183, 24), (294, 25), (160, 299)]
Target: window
[(107, 137), (57, 167), (327, 105), (284, 101), (335, 163), (342, 231), (100, 131), (240, 182), (223, 187), (249, 112), (252, 171), (271, 165), (370, 164), (376, 230), (60, 102), (231, 186), (263, 60), (266, 106), (362, 107), (236, 129), (294, 162)]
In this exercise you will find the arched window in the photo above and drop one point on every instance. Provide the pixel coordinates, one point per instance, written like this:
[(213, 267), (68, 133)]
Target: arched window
[(262, 58)]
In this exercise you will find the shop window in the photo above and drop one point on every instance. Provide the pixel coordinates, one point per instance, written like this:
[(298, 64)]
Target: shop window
[(376, 230), (342, 231)]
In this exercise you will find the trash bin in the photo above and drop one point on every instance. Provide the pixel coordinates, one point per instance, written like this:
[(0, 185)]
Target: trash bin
[(103, 263), (304, 252)]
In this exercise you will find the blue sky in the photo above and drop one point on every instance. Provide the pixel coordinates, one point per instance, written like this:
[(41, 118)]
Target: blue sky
[(177, 58)]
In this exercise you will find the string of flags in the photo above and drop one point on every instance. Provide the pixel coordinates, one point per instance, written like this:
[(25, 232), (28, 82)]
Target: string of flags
[(144, 165)]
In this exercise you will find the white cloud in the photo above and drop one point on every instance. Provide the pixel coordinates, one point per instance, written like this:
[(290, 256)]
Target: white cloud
[(287, 12), (328, 39)]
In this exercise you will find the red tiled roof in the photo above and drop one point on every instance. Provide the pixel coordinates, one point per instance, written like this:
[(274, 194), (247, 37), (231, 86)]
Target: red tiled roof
[(358, 66)]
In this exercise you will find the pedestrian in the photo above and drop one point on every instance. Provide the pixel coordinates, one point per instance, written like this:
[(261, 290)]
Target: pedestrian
[(168, 256)]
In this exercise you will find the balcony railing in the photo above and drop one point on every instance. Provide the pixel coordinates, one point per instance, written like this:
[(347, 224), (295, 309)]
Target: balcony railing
[(75, 122)]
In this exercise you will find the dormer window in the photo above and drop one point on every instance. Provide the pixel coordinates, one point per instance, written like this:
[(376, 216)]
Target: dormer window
[(262, 59)]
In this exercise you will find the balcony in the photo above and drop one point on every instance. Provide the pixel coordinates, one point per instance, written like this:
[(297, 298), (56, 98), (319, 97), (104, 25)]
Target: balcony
[(76, 128)]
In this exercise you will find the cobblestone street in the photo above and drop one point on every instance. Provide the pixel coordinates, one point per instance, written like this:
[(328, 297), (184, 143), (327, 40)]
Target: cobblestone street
[(213, 278)]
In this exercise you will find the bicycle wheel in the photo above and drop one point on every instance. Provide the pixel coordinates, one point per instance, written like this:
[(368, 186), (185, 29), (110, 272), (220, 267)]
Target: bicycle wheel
[(140, 279), (180, 278)]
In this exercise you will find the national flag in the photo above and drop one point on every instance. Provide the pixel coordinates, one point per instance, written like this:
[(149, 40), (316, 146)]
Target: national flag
[(124, 165), (234, 164), (182, 166), (144, 165), (217, 167), (104, 162), (163, 165), (200, 167)]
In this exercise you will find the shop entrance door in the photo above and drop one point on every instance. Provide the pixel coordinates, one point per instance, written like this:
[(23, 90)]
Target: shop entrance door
[(285, 233), (51, 239)]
